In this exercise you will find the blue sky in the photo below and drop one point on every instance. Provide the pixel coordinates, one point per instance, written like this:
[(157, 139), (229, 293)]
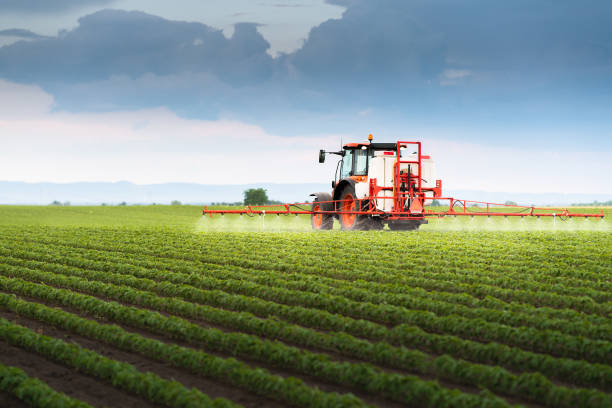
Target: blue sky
[(513, 96)]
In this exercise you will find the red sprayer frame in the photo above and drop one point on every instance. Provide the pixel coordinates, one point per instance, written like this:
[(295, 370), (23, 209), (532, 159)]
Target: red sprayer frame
[(408, 188)]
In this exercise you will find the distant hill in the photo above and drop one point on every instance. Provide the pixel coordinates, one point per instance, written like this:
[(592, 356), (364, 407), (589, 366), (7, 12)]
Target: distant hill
[(113, 193), (190, 193)]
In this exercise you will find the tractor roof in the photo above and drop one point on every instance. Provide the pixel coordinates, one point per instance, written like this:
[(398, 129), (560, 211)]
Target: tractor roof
[(375, 146)]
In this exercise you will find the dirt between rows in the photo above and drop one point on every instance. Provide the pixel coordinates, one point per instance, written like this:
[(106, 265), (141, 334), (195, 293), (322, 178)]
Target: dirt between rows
[(68, 380), (143, 364), (165, 370), (274, 370), (8, 401)]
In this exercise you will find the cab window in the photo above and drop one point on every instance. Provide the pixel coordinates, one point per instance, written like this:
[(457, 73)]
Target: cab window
[(347, 164), (361, 163)]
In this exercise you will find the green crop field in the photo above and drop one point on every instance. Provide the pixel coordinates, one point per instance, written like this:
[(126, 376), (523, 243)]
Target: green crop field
[(158, 306)]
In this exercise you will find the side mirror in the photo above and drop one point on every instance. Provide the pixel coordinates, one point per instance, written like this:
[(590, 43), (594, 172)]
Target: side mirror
[(321, 156), (333, 183)]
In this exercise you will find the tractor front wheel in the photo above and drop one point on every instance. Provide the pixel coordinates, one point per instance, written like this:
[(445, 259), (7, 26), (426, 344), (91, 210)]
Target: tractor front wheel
[(349, 202)]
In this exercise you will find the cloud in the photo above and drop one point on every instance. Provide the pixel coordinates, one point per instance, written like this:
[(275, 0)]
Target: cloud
[(407, 62), (113, 42), (453, 76), (155, 145), (145, 146), (45, 6), (21, 33)]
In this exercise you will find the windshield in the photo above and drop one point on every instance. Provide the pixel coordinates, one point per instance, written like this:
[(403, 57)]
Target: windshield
[(347, 164)]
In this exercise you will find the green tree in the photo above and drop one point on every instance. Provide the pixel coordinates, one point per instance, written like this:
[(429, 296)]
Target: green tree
[(510, 202), (175, 202), (255, 196)]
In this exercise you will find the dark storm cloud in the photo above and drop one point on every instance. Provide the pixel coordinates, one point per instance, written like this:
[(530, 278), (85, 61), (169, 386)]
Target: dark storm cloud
[(419, 57), (420, 39), (411, 43), (113, 42), (21, 33), (44, 6)]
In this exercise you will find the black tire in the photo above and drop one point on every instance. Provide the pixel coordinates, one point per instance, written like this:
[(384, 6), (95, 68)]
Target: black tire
[(321, 222), (355, 221), (375, 224), (404, 225)]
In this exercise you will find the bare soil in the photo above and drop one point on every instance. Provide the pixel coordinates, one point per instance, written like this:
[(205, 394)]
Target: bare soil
[(69, 381), (225, 391), (143, 364), (8, 401), (164, 370)]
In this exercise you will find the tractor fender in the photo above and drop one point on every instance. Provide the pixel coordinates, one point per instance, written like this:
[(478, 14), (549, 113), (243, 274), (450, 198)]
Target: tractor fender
[(322, 196), (361, 188), (340, 186)]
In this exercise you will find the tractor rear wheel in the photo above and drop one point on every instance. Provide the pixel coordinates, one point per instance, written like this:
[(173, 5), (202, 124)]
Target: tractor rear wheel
[(320, 221), (349, 202)]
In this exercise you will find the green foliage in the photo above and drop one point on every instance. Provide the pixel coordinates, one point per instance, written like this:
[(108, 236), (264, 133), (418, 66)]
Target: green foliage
[(292, 392), (122, 375), (596, 204), (519, 315), (33, 391), (255, 196)]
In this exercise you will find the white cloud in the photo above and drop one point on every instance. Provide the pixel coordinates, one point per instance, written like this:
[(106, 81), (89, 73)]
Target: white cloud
[(470, 166), (453, 76), (456, 73), (145, 146), (156, 145)]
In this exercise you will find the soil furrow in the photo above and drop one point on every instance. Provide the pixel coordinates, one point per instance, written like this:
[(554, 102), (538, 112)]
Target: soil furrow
[(168, 371), (9, 401), (68, 380)]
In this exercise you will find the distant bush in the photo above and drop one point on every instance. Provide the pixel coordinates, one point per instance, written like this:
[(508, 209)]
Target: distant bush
[(510, 203), (595, 204), (123, 203), (255, 196), (176, 202), (55, 202)]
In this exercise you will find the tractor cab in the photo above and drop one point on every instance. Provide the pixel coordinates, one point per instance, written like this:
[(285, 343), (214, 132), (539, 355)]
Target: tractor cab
[(354, 162)]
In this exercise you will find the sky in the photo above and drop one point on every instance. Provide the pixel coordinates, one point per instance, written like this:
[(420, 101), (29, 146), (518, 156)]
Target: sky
[(506, 96)]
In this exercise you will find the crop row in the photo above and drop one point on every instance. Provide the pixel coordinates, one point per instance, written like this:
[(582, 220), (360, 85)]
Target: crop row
[(501, 276), (401, 388), (447, 281), (386, 251), (546, 341), (33, 391), (120, 374), (578, 372), (530, 386), (410, 299), (510, 276), (119, 260), (588, 250), (259, 381)]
